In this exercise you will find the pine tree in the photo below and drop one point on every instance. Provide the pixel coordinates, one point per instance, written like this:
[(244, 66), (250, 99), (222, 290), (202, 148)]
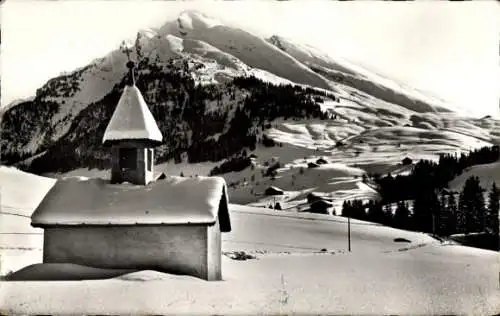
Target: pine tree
[(461, 214), (402, 215), (443, 216), (387, 215), (481, 208), (346, 208), (422, 213), (358, 210), (472, 205), (436, 210), (451, 211), (492, 211), (375, 213)]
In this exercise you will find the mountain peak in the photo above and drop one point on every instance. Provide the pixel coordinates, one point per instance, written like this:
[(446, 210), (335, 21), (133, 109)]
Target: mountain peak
[(192, 19)]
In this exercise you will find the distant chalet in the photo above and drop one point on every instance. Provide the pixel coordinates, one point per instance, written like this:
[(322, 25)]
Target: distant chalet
[(321, 161), (318, 203), (273, 191), (313, 197), (320, 206), (407, 161), (171, 225), (312, 165)]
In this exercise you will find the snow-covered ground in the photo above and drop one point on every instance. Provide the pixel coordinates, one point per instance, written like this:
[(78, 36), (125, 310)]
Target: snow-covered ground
[(290, 273), (487, 173), (300, 265), (20, 194)]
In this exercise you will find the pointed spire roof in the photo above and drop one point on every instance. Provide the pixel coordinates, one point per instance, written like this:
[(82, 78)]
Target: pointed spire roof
[(132, 119)]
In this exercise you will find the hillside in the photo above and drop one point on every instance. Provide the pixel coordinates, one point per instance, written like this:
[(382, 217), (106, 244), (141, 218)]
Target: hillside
[(347, 73), (251, 50), (20, 243), (488, 173)]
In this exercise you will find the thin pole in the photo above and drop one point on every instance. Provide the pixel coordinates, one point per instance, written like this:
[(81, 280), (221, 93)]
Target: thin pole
[(349, 233), (433, 224)]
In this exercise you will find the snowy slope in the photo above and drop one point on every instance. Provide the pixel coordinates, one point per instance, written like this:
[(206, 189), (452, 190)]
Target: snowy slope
[(289, 275), (379, 275), (358, 76), (254, 51), (487, 173), (13, 185), (20, 194), (303, 233)]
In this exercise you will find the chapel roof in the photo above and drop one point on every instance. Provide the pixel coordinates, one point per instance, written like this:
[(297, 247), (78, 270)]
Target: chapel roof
[(170, 201)]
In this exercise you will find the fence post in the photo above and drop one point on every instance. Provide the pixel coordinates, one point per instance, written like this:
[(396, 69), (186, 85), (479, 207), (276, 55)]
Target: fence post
[(349, 233)]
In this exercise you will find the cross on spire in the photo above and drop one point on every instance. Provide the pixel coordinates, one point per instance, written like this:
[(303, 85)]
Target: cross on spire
[(130, 64)]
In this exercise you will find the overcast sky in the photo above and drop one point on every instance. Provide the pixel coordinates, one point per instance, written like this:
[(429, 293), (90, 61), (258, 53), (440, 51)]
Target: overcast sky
[(449, 49)]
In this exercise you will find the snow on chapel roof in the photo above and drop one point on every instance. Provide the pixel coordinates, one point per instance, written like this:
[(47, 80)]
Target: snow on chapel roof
[(132, 119), (171, 201)]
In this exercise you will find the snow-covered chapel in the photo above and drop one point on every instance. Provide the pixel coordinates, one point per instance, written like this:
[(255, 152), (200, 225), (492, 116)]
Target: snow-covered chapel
[(132, 221)]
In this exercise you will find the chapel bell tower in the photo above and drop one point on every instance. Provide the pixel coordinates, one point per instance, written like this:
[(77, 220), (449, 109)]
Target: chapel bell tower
[(132, 134)]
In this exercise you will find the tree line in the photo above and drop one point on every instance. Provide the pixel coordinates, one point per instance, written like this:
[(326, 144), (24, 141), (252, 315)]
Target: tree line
[(441, 213), (433, 207), (233, 164), (428, 175)]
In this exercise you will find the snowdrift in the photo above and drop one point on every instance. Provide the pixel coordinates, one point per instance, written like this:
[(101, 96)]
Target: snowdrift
[(63, 272)]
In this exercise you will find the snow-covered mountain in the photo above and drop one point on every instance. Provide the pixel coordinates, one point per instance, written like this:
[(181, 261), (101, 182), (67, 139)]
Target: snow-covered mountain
[(342, 71), (254, 51), (216, 90)]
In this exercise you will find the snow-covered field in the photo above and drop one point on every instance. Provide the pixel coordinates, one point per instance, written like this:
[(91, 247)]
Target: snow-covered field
[(301, 265), (20, 194), (291, 274), (487, 173)]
